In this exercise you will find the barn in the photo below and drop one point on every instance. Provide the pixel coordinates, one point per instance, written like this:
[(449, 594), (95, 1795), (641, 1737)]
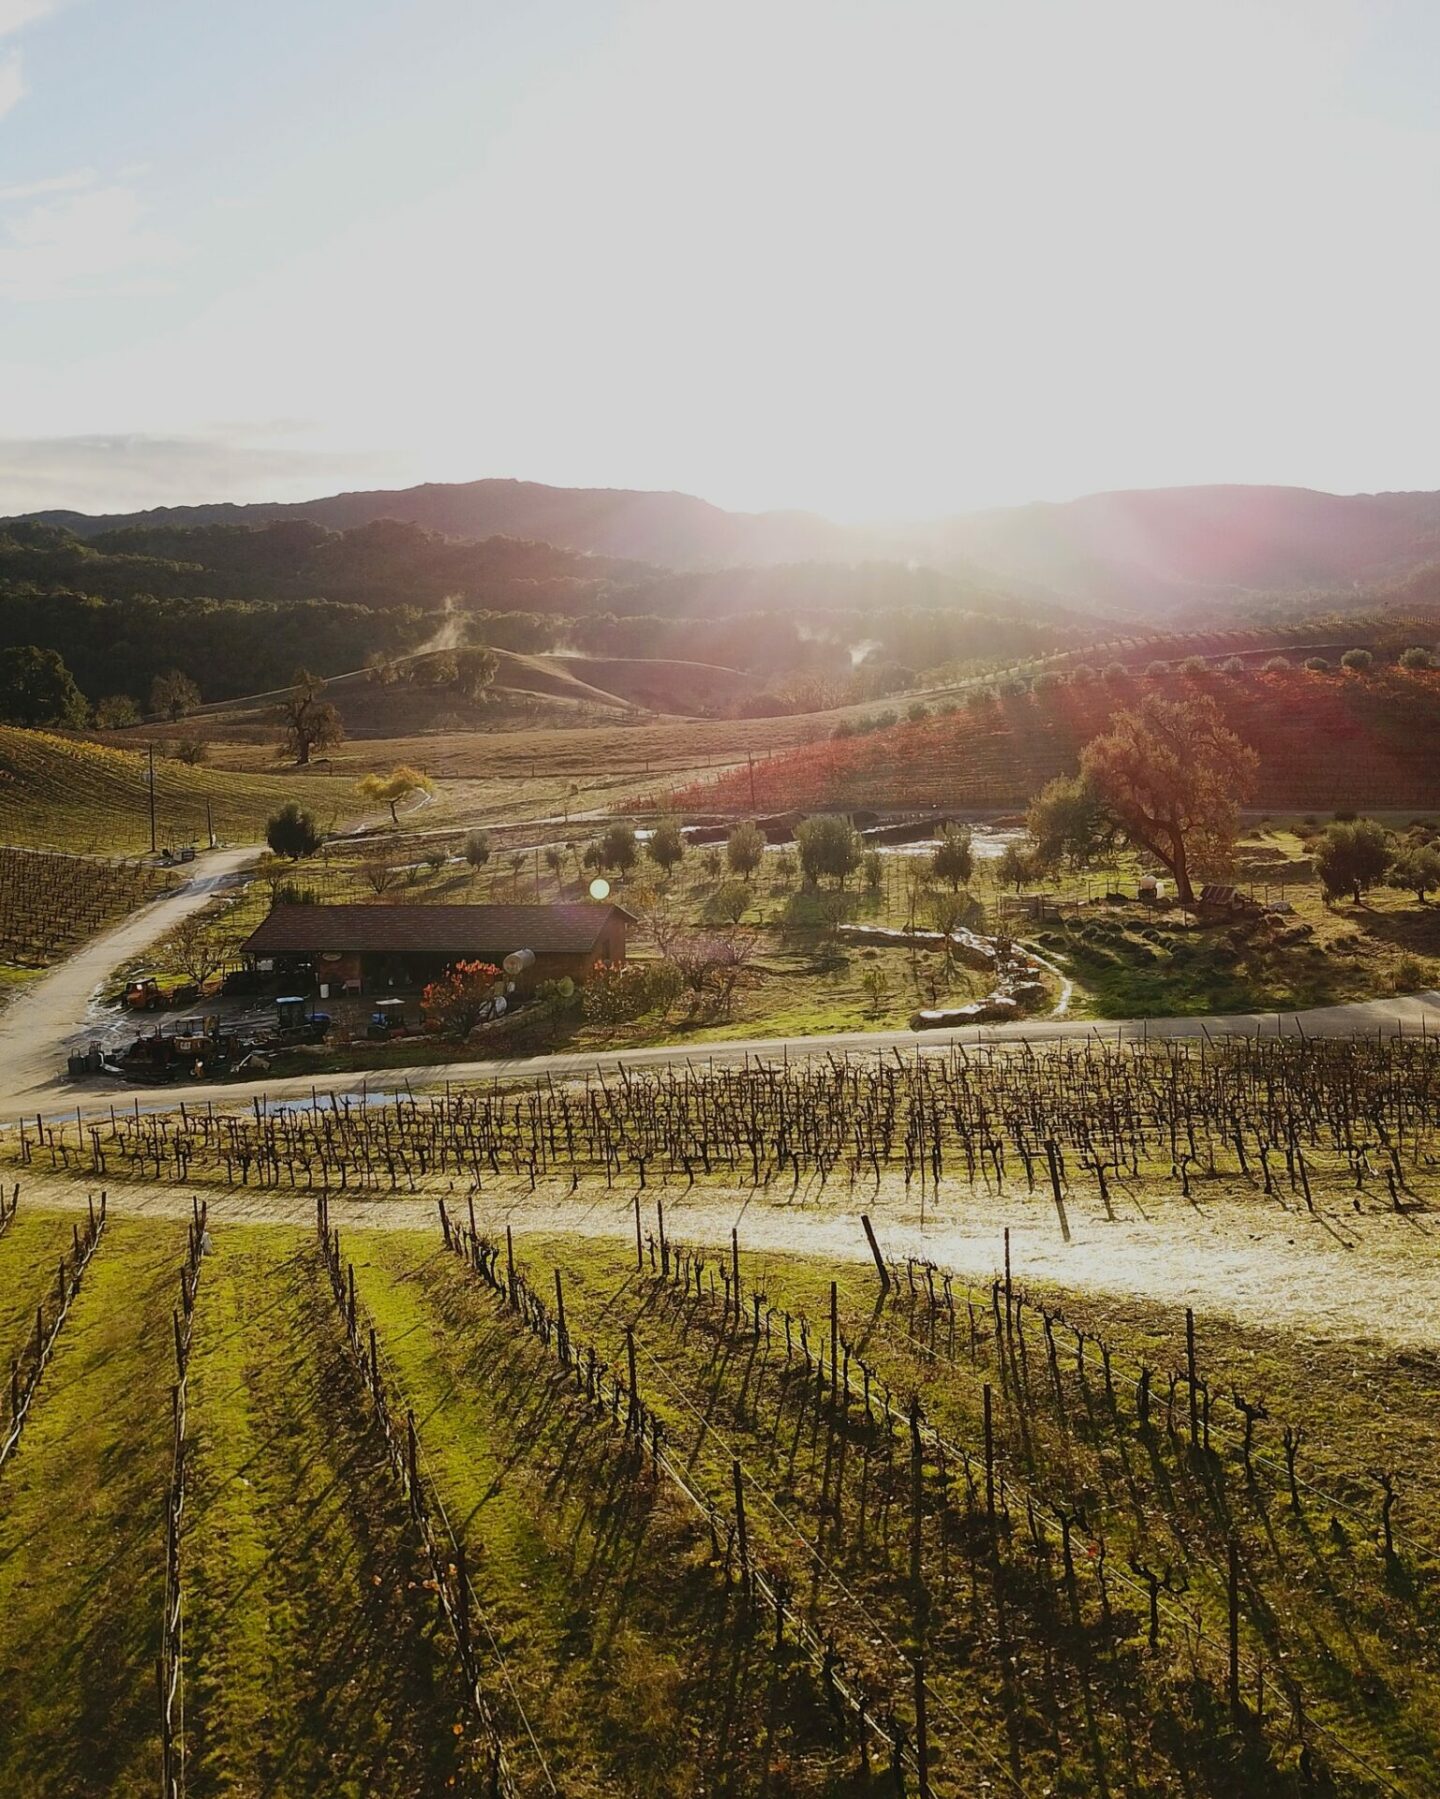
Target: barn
[(378, 949)]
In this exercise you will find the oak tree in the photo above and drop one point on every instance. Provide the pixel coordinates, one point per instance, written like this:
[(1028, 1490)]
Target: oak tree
[(1172, 776)]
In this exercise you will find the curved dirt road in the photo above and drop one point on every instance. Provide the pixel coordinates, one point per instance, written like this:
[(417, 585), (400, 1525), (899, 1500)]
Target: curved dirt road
[(34, 1034), (44, 1022), (41, 1024)]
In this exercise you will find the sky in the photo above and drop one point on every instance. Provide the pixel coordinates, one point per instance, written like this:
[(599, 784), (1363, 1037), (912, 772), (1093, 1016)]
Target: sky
[(880, 259)]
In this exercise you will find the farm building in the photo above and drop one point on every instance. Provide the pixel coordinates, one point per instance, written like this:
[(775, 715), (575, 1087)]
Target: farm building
[(372, 949)]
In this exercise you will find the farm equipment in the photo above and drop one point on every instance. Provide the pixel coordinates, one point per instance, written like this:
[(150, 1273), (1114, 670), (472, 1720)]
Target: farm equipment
[(145, 994), (295, 1023), (387, 1021), (195, 1048)]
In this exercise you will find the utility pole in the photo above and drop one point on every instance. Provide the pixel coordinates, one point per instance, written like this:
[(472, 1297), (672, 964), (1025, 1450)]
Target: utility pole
[(209, 824), (152, 799)]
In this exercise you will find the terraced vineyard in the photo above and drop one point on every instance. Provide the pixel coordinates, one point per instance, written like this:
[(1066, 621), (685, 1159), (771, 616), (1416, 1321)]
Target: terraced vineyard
[(60, 793)]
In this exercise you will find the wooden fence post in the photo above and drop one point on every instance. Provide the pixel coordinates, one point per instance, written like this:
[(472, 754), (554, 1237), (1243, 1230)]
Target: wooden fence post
[(742, 1538), (884, 1272)]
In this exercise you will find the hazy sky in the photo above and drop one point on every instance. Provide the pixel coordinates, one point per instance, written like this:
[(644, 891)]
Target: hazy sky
[(875, 257)]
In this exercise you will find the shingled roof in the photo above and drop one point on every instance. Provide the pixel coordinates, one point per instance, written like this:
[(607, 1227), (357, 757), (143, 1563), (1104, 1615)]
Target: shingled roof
[(488, 931)]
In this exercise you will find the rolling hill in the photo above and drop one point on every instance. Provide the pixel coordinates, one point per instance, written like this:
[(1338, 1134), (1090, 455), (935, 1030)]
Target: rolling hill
[(60, 793), (1151, 552), (1324, 740), (673, 529)]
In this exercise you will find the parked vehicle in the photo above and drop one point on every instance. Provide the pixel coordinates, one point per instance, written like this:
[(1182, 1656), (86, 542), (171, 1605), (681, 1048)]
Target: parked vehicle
[(387, 1021), (296, 1023)]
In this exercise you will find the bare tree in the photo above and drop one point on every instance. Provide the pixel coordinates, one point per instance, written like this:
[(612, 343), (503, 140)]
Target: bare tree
[(308, 722), (198, 950)]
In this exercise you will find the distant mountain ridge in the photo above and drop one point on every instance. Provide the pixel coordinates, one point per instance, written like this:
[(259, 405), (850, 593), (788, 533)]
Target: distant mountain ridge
[(674, 530), (1151, 552)]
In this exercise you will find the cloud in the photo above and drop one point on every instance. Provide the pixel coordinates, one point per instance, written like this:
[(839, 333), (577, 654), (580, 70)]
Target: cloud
[(12, 82), (15, 13), (132, 471), (50, 184), (78, 240)]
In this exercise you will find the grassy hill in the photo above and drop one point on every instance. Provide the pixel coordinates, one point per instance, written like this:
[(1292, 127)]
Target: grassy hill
[(1324, 740), (59, 793)]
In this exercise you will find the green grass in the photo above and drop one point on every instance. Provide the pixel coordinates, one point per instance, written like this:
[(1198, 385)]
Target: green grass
[(617, 1628), (82, 1534), (1356, 1633), (30, 1252), (314, 1659)]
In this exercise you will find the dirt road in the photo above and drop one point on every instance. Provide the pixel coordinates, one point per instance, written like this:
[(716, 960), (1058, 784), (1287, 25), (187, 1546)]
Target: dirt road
[(1369, 1277), (44, 1022), (36, 1082)]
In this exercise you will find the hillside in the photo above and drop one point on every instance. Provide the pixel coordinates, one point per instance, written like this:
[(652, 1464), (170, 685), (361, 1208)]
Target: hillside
[(239, 608), (1168, 550), (675, 529), (57, 793), (1324, 741), (1150, 552)]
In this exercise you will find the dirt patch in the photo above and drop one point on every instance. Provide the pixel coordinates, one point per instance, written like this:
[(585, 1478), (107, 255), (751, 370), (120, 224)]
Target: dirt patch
[(1371, 1275)]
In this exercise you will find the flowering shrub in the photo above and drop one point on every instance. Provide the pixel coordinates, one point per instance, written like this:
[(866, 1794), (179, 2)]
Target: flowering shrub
[(458, 1002)]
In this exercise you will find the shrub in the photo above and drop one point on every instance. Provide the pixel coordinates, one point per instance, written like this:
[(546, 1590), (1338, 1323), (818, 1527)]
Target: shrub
[(619, 848), (115, 711), (917, 712), (1115, 673), (872, 870), (477, 849), (730, 902), (745, 849), (292, 832), (1275, 664), (1416, 870), (1233, 665), (1047, 681), (953, 859), (666, 847), (621, 992), (462, 997), (1417, 656), (1081, 675), (980, 699), (1357, 661), (828, 845), (1317, 665), (1351, 856), (1194, 665), (1157, 667)]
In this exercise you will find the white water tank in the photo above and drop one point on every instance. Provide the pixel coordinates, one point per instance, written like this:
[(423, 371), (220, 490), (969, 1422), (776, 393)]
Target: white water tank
[(518, 962)]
